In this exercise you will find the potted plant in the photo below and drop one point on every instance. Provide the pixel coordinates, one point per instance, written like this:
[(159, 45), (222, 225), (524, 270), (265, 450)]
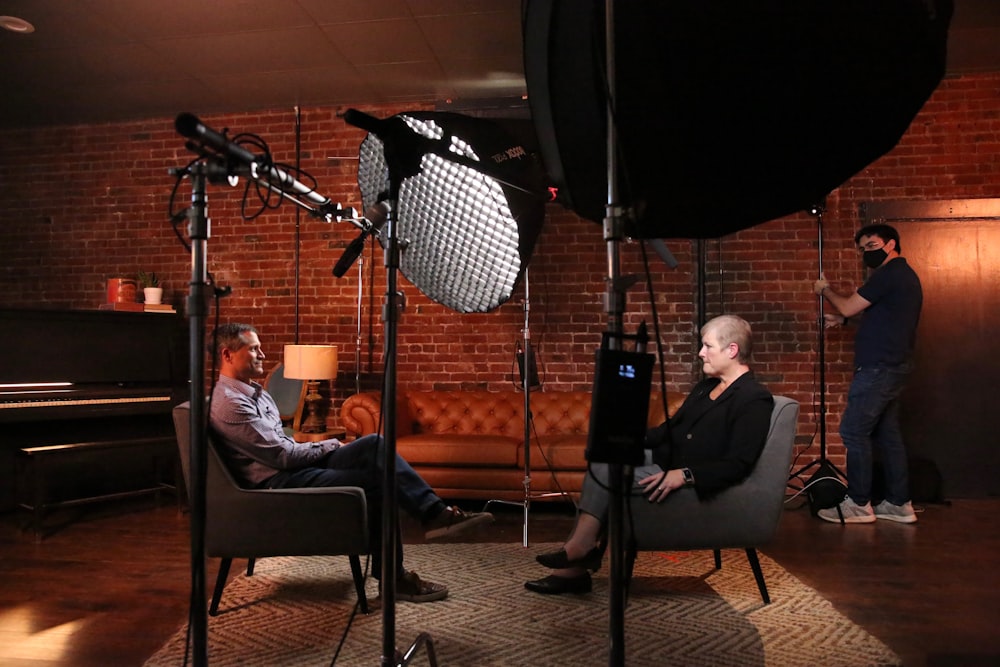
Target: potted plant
[(151, 290)]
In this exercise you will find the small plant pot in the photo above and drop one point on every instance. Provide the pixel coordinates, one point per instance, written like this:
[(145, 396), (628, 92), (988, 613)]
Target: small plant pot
[(152, 294)]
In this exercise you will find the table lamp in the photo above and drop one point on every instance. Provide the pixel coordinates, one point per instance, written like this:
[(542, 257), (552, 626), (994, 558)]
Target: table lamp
[(311, 363)]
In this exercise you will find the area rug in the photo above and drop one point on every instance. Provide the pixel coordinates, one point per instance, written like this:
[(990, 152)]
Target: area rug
[(681, 611)]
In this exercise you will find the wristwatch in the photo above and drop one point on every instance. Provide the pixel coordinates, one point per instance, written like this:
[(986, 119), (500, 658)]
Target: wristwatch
[(688, 476)]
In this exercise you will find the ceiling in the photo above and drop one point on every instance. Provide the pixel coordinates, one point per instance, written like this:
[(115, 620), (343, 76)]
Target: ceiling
[(93, 61)]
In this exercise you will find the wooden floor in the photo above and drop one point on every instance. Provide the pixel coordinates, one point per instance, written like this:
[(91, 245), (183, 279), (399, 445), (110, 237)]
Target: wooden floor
[(110, 585)]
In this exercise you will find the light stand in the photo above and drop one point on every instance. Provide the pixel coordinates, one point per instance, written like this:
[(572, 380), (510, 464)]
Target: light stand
[(220, 160), (619, 475), (401, 161), (822, 463), (465, 203), (199, 228), (620, 403), (357, 337), (528, 377)]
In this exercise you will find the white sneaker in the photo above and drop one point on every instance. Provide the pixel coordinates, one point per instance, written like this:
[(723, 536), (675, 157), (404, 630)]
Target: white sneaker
[(848, 511), (899, 513)]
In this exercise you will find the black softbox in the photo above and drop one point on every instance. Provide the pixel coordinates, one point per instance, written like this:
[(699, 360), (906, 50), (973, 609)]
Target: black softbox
[(729, 113)]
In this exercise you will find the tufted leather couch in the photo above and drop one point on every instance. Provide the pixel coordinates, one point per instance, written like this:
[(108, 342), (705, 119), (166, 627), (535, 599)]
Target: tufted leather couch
[(470, 444)]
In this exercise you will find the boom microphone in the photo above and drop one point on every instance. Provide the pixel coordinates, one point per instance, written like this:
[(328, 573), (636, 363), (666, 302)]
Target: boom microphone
[(269, 176), (189, 126)]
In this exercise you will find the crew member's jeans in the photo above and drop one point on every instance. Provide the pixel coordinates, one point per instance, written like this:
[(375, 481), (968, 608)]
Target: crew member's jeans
[(871, 423), (359, 463)]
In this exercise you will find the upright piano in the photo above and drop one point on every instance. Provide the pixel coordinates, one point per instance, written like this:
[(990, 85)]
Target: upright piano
[(87, 376)]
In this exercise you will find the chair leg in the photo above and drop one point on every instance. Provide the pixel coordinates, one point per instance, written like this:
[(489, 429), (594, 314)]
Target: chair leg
[(718, 558), (220, 583), (758, 574), (359, 582), (250, 563)]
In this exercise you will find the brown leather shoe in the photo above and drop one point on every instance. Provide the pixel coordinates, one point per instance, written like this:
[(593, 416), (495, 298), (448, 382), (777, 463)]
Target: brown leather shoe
[(411, 588), (453, 520)]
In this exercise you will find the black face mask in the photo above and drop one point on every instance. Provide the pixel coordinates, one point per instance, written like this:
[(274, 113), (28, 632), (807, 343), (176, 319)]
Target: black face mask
[(874, 258)]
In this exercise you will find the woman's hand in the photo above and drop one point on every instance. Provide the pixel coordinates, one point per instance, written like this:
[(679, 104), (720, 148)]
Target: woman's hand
[(659, 485)]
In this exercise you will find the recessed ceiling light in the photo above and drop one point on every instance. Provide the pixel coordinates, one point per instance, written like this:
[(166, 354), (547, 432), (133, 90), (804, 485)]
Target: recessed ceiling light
[(15, 24)]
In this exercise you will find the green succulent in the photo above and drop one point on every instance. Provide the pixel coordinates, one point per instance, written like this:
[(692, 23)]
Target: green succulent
[(148, 279)]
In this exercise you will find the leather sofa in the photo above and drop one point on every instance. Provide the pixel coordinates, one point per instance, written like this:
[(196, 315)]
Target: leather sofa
[(470, 444)]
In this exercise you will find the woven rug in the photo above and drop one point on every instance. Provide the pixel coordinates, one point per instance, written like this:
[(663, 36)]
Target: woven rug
[(681, 611)]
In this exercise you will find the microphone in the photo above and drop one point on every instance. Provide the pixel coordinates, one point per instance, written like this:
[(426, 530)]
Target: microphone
[(376, 215), (350, 255), (188, 125), (661, 249)]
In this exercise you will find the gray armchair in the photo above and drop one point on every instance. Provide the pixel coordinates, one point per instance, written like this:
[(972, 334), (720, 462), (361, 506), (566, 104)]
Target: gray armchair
[(289, 396), (745, 516), (254, 523)]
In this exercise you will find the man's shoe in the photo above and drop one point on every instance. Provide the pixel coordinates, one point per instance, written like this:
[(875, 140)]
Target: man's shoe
[(899, 513), (411, 588), (453, 520), (848, 511), (558, 560), (553, 585)]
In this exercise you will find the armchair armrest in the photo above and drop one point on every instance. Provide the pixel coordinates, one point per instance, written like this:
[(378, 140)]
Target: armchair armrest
[(317, 520)]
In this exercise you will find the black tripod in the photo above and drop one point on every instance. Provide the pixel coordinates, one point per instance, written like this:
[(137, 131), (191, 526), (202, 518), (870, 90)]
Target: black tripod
[(825, 469)]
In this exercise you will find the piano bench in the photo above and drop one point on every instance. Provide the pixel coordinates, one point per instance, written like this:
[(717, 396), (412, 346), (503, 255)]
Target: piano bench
[(80, 473)]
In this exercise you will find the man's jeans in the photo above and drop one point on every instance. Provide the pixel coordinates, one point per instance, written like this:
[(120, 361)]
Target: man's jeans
[(871, 422), (359, 463)]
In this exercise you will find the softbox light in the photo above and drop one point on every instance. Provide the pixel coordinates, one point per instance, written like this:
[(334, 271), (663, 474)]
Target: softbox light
[(729, 113), (470, 203)]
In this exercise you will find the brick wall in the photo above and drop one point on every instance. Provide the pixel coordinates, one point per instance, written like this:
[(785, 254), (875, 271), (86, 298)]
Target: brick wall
[(81, 204)]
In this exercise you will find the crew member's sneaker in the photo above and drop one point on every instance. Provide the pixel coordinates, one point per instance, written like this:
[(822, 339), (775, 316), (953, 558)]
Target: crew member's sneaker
[(848, 511), (411, 588), (899, 513), (453, 520)]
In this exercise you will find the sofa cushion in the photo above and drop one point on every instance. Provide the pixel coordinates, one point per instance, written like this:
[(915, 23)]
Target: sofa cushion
[(558, 452), (559, 413), (495, 451), (465, 413)]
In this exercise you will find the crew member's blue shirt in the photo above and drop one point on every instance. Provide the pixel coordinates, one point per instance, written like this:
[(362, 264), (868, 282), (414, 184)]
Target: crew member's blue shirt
[(888, 328)]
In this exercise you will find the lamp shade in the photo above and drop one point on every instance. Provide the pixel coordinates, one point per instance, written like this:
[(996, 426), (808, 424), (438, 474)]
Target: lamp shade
[(311, 362)]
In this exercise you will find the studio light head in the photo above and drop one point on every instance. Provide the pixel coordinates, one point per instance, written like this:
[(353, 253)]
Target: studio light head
[(470, 203)]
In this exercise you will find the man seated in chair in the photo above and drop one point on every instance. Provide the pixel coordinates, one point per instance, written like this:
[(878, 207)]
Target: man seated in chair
[(711, 443), (245, 421)]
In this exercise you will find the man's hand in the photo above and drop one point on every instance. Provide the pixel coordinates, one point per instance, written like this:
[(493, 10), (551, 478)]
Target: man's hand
[(832, 320), (821, 284)]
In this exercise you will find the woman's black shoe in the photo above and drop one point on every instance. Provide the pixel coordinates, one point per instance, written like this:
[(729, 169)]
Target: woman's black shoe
[(553, 585), (558, 560)]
